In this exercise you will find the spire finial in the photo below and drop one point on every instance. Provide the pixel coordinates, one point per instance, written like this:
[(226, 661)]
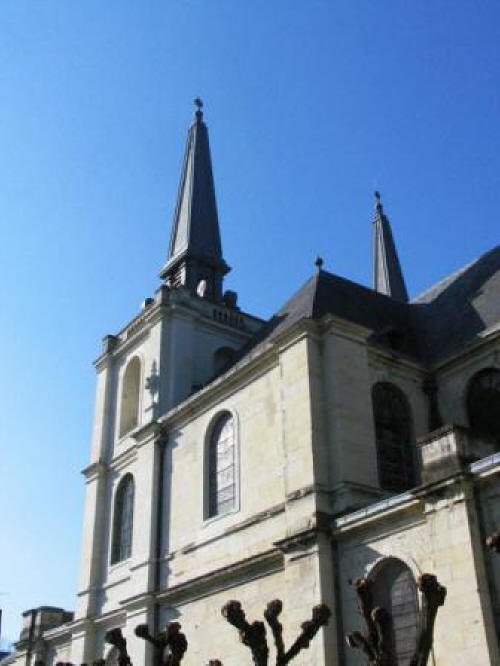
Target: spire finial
[(199, 105), (387, 274), (319, 263), (195, 258)]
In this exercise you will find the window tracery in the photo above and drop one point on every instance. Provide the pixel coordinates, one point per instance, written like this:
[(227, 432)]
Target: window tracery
[(222, 466)]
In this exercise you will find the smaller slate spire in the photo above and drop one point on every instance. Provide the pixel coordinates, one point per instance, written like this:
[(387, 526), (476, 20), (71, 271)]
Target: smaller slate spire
[(195, 253), (387, 274)]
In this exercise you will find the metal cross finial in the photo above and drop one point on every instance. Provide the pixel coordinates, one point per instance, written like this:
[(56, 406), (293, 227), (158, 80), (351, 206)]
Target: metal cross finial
[(319, 263), (199, 106)]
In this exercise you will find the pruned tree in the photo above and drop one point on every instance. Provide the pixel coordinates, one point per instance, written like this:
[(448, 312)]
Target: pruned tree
[(378, 642), (254, 635), (115, 638), (170, 645)]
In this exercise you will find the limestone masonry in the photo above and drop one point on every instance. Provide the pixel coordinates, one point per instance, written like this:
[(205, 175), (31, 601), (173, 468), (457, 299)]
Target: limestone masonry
[(355, 433)]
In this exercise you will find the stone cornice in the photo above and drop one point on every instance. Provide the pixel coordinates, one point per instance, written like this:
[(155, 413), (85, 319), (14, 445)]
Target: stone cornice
[(299, 541), (415, 498), (147, 432), (397, 359), (251, 366), (374, 512), (486, 467), (123, 459), (489, 339), (263, 564), (63, 632), (111, 617), (299, 330), (330, 323), (176, 300), (94, 470), (218, 389)]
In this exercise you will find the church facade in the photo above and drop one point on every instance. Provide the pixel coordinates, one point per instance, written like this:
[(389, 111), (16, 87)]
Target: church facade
[(354, 434)]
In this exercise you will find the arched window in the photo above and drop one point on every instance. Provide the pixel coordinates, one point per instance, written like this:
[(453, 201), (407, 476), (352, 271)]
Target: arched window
[(223, 358), (393, 432), (221, 466), (395, 590), (483, 403), (129, 412), (121, 547)]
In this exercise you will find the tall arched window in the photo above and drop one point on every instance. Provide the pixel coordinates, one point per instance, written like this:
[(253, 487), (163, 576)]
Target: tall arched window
[(129, 412), (393, 432), (395, 590), (221, 466), (483, 403), (121, 547)]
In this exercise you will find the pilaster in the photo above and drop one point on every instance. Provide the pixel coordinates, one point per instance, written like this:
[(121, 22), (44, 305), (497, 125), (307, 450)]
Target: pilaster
[(92, 551)]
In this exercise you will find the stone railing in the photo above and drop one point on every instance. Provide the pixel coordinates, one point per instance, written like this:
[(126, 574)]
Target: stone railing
[(449, 450)]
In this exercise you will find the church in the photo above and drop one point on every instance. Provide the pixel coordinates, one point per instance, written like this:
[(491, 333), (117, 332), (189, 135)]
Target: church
[(354, 434)]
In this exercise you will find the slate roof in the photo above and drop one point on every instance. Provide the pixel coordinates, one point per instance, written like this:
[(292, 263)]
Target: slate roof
[(460, 307), (440, 322)]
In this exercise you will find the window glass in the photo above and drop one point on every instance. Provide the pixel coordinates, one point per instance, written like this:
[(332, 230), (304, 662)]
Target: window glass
[(123, 520), (393, 432), (395, 590), (483, 403), (222, 467)]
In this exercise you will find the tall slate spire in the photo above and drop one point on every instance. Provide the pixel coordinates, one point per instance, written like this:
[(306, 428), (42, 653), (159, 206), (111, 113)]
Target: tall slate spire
[(195, 253), (387, 274)]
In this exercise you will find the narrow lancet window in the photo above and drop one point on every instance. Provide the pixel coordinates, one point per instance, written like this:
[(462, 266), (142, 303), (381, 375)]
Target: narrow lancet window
[(483, 403), (121, 548), (129, 412), (222, 467), (393, 432)]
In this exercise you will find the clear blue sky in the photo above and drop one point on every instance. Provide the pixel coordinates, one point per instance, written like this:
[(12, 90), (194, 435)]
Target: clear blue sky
[(311, 105)]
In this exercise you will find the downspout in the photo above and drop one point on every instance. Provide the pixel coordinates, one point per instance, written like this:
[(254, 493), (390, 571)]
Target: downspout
[(337, 592), (162, 445), (491, 590)]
